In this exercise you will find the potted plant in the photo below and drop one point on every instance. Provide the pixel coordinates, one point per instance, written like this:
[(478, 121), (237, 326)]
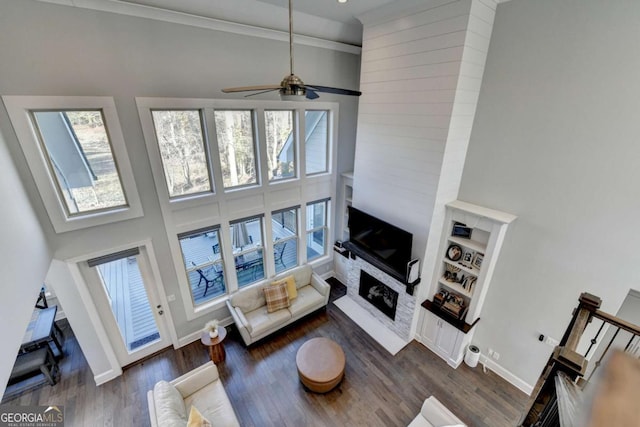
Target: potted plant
[(212, 328)]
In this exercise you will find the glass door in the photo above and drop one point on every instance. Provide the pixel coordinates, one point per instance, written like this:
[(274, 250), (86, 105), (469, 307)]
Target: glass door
[(127, 300)]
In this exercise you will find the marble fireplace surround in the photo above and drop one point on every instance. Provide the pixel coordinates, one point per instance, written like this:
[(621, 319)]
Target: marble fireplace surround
[(401, 326)]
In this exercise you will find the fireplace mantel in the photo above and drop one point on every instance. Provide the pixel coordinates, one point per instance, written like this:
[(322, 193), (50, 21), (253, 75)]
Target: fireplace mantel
[(356, 251)]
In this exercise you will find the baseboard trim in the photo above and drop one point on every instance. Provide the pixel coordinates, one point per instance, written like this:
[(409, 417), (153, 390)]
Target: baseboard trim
[(107, 376), (195, 336), (513, 379)]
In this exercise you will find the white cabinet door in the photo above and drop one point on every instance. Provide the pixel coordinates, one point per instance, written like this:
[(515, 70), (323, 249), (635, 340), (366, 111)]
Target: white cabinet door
[(441, 338), (430, 329), (341, 267), (448, 340)]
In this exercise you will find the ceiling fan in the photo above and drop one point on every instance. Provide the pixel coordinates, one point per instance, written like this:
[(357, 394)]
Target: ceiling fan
[(292, 87)]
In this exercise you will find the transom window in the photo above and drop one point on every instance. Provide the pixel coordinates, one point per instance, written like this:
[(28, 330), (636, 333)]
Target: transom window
[(316, 229), (316, 141), (81, 160), (203, 263), (281, 144), (284, 227), (246, 240), (182, 150), (236, 145)]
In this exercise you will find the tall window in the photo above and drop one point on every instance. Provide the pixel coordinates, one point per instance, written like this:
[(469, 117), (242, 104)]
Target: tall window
[(77, 157), (236, 145), (81, 160), (246, 238), (316, 229), (281, 144), (179, 134), (316, 141), (284, 226), (203, 263)]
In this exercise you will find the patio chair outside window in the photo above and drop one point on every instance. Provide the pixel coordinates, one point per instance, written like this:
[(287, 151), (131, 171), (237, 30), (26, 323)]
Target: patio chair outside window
[(278, 251)]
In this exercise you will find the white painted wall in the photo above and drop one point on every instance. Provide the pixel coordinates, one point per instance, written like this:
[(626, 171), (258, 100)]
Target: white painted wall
[(24, 260), (99, 354), (61, 50), (555, 141)]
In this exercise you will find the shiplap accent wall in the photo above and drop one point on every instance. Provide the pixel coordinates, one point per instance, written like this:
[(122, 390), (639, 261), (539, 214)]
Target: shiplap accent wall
[(422, 65)]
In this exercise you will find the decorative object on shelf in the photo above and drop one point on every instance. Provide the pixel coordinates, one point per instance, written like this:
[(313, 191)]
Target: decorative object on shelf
[(455, 306), (454, 253), (477, 260), (468, 282), (461, 230), (440, 297), (451, 274), (212, 328), (467, 258)]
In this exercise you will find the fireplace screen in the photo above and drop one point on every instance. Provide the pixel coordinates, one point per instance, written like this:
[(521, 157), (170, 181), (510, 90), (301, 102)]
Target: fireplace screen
[(377, 293)]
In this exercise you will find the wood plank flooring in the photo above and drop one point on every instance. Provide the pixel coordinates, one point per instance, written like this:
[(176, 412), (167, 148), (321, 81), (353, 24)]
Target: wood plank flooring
[(262, 383)]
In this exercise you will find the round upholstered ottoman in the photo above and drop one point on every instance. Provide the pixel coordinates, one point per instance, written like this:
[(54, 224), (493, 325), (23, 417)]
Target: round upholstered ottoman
[(320, 364)]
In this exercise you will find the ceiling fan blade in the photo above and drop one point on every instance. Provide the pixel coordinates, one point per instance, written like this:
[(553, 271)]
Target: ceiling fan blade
[(335, 90), (311, 94), (261, 92), (250, 88)]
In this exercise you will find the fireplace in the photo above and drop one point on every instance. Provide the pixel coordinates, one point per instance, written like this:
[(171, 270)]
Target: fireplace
[(378, 294)]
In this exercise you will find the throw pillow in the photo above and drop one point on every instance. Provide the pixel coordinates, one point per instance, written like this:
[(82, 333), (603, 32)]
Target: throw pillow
[(196, 419), (169, 404), (277, 297), (291, 286)]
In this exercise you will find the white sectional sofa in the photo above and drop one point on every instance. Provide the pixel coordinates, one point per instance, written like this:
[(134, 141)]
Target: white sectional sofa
[(249, 307), (435, 414), (170, 402)]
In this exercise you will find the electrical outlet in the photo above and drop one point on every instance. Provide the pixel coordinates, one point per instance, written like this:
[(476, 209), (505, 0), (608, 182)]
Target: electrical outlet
[(171, 297), (551, 341), (495, 355), (490, 352)]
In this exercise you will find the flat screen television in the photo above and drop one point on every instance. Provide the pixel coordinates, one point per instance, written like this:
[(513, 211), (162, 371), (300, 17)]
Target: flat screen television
[(385, 242)]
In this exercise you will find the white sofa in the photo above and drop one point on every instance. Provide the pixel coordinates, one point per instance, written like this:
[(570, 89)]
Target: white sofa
[(170, 402), (249, 307), (435, 414)]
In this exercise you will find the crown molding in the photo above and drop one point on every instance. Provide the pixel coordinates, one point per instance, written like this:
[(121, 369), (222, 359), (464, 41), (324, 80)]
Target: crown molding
[(150, 12)]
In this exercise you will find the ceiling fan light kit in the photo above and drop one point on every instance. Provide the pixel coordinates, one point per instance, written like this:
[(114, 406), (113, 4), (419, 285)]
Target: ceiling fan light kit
[(292, 88)]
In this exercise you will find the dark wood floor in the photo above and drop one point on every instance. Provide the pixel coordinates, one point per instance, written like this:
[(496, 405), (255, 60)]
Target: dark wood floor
[(262, 383)]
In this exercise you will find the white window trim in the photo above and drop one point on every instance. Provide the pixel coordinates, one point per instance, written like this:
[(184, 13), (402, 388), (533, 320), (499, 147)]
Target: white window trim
[(225, 205), (19, 108)]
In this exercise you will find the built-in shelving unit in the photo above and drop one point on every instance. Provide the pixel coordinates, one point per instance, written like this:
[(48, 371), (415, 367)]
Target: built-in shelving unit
[(340, 263), (347, 200), (468, 252)]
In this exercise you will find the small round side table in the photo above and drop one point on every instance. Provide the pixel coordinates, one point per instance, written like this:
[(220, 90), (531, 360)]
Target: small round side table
[(216, 346)]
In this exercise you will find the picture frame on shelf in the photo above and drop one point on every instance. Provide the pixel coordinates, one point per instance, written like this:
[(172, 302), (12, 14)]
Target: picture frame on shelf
[(454, 252), (461, 230), (477, 260), (467, 258)]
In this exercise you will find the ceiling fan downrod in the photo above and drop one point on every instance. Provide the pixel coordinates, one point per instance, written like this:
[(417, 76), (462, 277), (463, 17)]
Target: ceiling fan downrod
[(291, 36)]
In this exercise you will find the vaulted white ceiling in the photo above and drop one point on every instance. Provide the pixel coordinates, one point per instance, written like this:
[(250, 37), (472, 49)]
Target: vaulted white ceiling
[(326, 19), (321, 19)]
